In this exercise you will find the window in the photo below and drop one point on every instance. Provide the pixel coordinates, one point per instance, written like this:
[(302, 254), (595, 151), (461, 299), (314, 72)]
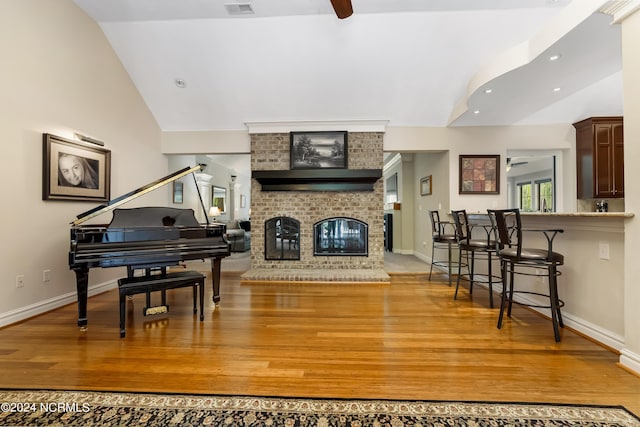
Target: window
[(524, 196), (544, 188)]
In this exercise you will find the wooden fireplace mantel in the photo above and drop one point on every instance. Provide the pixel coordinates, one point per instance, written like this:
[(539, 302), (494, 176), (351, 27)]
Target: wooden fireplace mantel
[(318, 179)]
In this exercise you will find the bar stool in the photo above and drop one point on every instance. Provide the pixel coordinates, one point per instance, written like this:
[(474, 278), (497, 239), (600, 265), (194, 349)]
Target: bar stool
[(441, 239), (515, 259), (484, 248)]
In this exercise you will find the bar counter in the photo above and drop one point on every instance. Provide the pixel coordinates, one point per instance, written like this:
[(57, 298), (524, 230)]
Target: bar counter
[(592, 280)]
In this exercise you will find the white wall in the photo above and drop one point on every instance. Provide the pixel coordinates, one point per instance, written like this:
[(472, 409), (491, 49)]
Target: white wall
[(61, 76), (435, 164), (489, 140), (394, 166), (190, 198), (631, 65)]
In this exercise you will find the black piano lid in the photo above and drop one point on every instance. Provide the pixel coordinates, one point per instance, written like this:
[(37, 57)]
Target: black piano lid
[(112, 204)]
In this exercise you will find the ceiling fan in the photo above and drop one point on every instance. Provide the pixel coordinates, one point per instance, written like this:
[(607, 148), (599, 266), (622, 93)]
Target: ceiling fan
[(343, 8)]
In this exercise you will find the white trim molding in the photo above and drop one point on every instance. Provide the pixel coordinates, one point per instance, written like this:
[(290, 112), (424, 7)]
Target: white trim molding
[(630, 360), (312, 126), (620, 9), (40, 307)]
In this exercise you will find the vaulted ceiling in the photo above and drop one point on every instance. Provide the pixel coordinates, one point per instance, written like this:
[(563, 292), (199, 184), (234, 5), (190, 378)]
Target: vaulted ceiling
[(200, 66)]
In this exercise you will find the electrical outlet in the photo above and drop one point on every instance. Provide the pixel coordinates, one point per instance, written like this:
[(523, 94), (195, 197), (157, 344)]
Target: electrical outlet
[(603, 250), (19, 281), (46, 275)]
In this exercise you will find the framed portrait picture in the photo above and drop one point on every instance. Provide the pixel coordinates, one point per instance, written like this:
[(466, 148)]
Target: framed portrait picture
[(479, 174), (425, 186), (74, 171), (319, 150), (178, 187)]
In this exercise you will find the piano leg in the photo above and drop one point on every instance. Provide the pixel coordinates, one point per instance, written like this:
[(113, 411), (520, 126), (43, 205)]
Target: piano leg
[(215, 278), (82, 286)]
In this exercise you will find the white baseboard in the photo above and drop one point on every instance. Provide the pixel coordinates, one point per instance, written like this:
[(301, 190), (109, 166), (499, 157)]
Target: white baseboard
[(40, 307), (595, 332), (630, 360), (403, 251), (422, 257)]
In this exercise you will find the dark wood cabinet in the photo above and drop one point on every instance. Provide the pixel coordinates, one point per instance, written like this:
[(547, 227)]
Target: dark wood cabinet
[(600, 157)]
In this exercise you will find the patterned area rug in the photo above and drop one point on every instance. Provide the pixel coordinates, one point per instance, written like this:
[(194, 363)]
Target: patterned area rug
[(76, 408)]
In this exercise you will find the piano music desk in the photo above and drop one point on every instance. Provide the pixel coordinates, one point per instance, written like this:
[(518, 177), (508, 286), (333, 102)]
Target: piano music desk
[(160, 282)]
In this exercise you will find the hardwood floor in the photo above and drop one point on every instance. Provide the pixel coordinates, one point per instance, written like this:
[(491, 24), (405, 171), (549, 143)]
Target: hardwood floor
[(407, 340)]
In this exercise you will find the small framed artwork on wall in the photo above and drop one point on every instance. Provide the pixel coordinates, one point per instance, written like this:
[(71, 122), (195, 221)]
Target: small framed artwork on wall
[(425, 186), (479, 174)]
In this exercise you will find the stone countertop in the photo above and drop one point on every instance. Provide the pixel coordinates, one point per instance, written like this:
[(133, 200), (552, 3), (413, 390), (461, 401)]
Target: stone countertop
[(582, 214), (571, 214)]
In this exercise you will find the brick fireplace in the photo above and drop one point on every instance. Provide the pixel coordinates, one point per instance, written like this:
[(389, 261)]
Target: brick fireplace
[(269, 156)]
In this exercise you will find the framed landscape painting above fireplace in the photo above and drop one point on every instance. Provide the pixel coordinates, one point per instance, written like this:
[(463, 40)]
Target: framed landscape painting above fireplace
[(319, 150)]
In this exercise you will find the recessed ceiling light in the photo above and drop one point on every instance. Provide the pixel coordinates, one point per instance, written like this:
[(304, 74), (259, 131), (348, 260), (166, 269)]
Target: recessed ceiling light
[(476, 112), (556, 89), (555, 57), (488, 90), (180, 83)]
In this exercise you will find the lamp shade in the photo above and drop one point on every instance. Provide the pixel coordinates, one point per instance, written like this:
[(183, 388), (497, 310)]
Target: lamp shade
[(214, 211)]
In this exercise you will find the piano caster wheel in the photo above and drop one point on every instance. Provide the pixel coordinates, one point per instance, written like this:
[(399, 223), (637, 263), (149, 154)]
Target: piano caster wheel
[(83, 328)]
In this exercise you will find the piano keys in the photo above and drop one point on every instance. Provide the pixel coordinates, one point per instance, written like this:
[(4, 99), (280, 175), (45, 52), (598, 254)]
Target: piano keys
[(143, 238)]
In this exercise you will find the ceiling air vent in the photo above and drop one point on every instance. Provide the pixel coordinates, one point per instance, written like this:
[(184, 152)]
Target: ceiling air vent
[(239, 8)]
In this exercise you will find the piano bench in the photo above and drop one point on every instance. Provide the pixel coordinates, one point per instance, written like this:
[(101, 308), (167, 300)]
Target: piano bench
[(160, 282)]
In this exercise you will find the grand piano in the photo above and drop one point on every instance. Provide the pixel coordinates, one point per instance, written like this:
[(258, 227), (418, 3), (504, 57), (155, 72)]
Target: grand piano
[(144, 238)]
